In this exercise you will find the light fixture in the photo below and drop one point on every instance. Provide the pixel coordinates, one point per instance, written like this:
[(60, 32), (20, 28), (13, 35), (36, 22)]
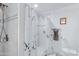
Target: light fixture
[(48, 17), (35, 5)]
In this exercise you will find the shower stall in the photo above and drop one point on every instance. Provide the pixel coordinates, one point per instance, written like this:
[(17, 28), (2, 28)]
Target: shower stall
[(42, 29), (8, 29)]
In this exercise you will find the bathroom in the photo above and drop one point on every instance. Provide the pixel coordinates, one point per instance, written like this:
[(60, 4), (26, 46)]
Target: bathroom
[(50, 29), (39, 29)]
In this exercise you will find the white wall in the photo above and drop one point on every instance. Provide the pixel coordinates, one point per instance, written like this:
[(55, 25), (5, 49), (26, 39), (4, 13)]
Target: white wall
[(70, 31), (12, 28)]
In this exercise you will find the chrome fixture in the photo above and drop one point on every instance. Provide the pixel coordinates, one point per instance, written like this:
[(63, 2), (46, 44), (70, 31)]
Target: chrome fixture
[(3, 31)]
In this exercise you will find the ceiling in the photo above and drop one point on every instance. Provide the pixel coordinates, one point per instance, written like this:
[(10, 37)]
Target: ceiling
[(45, 7)]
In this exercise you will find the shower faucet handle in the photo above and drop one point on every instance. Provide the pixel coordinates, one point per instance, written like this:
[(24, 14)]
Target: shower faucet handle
[(7, 37)]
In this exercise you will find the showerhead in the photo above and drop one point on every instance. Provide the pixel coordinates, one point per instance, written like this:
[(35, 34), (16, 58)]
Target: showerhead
[(3, 5), (0, 4)]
